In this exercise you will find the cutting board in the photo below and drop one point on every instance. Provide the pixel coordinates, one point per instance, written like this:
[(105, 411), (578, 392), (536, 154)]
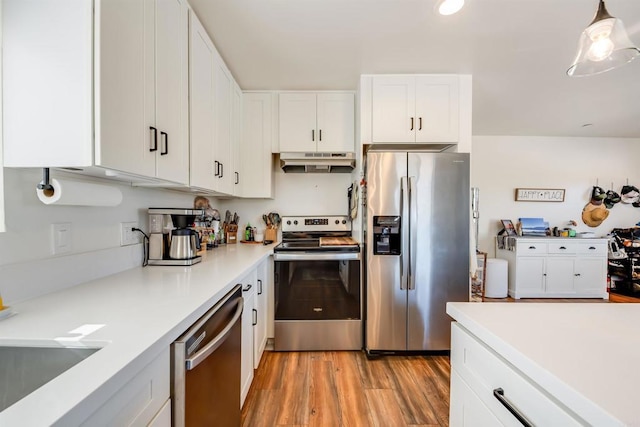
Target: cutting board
[(337, 241)]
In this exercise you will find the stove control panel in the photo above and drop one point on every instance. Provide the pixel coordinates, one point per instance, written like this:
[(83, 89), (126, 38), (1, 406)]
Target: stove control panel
[(316, 223)]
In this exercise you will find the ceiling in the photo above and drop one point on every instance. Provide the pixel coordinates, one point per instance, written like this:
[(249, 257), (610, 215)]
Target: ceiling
[(517, 51)]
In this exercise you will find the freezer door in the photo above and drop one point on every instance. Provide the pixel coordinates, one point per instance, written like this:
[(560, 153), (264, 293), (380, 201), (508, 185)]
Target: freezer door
[(439, 245), (386, 315)]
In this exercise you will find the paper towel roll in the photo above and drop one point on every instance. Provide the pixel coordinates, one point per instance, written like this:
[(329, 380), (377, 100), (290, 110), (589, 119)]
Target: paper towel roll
[(76, 193)]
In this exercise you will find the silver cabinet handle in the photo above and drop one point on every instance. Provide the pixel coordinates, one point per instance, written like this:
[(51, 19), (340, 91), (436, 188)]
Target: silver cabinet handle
[(498, 393), (259, 286), (247, 288), (213, 345), (255, 317), (313, 134)]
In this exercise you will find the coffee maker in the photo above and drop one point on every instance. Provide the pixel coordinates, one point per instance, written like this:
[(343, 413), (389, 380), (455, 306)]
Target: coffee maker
[(171, 241)]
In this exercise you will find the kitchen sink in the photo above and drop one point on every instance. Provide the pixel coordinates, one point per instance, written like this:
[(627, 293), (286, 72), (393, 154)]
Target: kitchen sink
[(25, 368)]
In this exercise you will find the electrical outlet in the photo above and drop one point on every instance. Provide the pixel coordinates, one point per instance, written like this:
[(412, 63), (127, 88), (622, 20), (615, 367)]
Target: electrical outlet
[(127, 235), (61, 238)]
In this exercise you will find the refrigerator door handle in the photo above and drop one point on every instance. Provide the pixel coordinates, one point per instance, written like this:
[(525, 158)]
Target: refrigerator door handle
[(404, 212), (413, 232)]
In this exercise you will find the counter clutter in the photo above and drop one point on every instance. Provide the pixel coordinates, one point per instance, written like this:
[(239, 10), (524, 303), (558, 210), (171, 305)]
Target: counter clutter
[(133, 316), (558, 364)]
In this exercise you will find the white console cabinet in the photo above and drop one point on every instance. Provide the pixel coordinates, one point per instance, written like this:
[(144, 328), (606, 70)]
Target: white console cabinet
[(557, 267)]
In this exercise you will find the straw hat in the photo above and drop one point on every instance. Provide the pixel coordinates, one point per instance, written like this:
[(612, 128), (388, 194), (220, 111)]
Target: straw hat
[(593, 215)]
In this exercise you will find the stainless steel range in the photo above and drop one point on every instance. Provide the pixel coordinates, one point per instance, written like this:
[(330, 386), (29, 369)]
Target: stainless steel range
[(317, 285)]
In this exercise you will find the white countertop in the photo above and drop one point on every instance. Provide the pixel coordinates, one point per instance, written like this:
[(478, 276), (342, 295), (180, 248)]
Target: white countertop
[(586, 355), (143, 311)]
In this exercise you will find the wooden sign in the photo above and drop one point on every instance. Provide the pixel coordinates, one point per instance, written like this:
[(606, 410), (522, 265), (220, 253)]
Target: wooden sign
[(539, 194)]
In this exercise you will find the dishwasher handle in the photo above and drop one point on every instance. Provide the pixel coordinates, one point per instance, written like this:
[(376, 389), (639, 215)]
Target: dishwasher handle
[(213, 345)]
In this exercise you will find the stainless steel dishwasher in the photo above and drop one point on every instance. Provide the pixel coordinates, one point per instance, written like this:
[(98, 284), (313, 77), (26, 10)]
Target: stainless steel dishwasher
[(205, 367)]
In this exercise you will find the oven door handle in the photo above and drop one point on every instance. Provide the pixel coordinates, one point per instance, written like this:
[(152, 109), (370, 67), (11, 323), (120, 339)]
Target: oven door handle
[(213, 345), (299, 256)]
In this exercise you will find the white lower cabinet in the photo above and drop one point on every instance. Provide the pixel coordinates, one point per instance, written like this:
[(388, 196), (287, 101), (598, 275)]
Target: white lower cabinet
[(260, 313), (246, 366), (140, 402), (480, 376), (162, 418), (557, 268)]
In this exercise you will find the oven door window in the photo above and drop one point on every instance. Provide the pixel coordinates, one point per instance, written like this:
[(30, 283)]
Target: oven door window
[(317, 290)]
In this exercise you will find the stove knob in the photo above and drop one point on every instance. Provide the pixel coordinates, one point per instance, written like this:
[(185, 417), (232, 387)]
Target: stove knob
[(288, 222), (337, 221), (344, 221), (295, 222)]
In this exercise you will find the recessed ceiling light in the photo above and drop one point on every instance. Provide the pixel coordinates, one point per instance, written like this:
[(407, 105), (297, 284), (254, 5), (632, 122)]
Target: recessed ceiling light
[(449, 7)]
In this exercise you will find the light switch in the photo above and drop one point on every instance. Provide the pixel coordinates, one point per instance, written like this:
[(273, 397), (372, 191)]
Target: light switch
[(61, 238)]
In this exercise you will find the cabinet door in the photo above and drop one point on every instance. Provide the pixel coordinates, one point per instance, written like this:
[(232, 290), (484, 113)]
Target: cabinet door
[(298, 131), (47, 78), (201, 59), (591, 276), (172, 85), (246, 352), (125, 86), (336, 122), (437, 108), (466, 408), (260, 328), (529, 276), (256, 173), (560, 276), (393, 109), (222, 126), (236, 136)]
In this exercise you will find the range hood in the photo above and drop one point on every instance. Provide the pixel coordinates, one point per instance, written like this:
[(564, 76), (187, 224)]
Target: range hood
[(317, 162)]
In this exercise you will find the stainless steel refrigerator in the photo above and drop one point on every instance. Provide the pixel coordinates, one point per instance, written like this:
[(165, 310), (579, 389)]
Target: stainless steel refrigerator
[(417, 247)]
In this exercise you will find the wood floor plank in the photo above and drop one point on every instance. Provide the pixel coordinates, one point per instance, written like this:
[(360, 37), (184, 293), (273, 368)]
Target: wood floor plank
[(263, 410), (270, 375), (354, 410), (294, 408), (323, 395), (410, 393), (385, 410), (374, 373), (435, 386)]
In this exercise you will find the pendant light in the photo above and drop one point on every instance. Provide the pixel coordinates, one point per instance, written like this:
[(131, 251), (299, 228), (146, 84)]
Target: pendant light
[(449, 7), (604, 45)]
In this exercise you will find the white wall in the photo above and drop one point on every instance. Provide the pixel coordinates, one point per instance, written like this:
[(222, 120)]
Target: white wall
[(500, 164), (295, 194), (27, 266)]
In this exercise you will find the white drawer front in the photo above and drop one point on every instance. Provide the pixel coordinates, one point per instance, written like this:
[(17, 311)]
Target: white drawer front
[(596, 249), (530, 248), (484, 371), (562, 248)]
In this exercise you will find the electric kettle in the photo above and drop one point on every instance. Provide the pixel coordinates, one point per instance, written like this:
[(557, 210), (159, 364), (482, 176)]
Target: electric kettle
[(185, 242)]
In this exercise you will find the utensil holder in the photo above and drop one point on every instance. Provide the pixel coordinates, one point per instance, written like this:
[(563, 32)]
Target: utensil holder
[(271, 234), (232, 234)]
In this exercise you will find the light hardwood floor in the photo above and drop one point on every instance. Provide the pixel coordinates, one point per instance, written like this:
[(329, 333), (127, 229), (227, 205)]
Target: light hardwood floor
[(344, 388)]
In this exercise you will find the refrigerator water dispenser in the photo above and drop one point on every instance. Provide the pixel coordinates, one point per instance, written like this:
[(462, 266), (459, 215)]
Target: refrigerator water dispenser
[(386, 235)]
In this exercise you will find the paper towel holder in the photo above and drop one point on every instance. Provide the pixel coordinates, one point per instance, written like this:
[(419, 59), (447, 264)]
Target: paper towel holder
[(45, 185)]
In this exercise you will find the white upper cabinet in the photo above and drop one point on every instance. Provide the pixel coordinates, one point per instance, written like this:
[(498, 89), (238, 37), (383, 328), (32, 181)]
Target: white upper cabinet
[(236, 138), (201, 62), (104, 87), (420, 109), (256, 169), (317, 122), (223, 86)]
